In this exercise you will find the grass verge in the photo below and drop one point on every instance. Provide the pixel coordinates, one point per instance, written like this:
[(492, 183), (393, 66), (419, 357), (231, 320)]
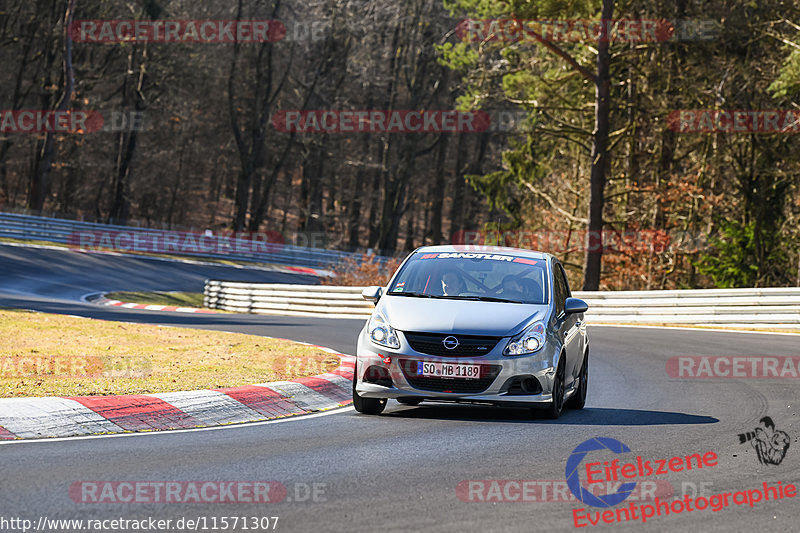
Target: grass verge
[(56, 355), (180, 299)]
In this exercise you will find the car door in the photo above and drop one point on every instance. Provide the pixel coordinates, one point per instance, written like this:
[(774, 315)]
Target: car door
[(569, 324)]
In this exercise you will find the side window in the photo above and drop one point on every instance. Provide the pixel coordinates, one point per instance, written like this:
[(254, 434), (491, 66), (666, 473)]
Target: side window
[(567, 292), (560, 288)]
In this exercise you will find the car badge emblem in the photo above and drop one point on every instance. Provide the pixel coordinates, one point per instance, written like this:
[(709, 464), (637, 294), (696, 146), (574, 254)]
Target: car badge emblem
[(451, 343)]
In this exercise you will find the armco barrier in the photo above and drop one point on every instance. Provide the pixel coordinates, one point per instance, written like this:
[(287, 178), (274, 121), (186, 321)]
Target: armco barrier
[(763, 308), (54, 230), (287, 300)]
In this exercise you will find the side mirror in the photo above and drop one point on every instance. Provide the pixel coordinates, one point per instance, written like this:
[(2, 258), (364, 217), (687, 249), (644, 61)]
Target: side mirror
[(372, 294), (574, 305)]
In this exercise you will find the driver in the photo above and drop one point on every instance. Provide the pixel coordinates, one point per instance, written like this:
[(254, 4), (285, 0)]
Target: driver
[(452, 284), (512, 288)]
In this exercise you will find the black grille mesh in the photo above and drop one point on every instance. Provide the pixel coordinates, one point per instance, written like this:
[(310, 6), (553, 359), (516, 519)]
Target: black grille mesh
[(468, 345)]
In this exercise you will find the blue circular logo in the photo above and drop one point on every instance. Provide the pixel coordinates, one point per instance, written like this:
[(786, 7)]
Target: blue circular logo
[(574, 482)]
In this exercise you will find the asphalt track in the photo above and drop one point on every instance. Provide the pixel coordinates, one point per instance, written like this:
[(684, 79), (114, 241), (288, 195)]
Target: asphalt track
[(400, 471)]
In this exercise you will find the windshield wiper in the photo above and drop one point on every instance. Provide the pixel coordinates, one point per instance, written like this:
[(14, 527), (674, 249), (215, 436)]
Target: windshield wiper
[(442, 297), (423, 295), (411, 294), (484, 299)]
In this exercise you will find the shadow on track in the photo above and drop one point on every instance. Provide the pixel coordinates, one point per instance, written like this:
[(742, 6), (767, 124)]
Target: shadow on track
[(590, 416)]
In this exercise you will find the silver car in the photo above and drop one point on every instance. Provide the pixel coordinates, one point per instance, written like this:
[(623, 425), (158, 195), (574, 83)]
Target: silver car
[(496, 326)]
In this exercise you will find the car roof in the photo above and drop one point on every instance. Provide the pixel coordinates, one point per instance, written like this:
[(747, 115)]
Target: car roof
[(482, 249)]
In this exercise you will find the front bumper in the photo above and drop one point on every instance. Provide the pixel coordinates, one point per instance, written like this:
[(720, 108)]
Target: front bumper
[(499, 374)]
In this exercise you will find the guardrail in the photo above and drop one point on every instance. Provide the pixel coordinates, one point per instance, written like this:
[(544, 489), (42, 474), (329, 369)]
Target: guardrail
[(764, 308), (287, 300), (52, 230)]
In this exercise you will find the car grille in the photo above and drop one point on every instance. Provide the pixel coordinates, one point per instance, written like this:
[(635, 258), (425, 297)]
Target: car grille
[(468, 345), (455, 385)]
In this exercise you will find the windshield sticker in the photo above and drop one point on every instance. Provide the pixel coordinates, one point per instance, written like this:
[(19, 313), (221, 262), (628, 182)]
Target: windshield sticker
[(398, 289), (491, 257)]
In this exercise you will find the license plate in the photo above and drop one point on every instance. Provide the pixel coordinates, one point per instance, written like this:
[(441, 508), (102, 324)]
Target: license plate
[(448, 370)]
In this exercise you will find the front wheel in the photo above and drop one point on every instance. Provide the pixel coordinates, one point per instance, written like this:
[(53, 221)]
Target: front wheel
[(578, 400), (367, 406), (553, 410)]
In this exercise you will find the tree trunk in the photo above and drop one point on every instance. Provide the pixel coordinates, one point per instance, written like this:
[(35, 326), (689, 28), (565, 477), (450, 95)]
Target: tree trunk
[(121, 204), (457, 207), (437, 192), (409, 245), (44, 163), (594, 236), (354, 208)]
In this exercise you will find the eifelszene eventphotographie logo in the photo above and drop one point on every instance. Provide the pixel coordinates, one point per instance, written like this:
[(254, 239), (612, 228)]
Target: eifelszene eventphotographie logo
[(573, 479)]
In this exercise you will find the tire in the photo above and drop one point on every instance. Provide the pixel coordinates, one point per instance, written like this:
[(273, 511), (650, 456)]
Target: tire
[(409, 401), (553, 410), (367, 406), (578, 400)]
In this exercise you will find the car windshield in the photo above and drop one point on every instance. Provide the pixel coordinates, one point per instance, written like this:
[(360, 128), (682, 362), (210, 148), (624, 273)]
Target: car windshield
[(473, 276)]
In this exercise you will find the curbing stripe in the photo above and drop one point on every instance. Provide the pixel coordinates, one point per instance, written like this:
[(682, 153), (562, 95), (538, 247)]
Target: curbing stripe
[(305, 270), (210, 407), (27, 418), (346, 384), (264, 400), (51, 417), (325, 387), (138, 412), (6, 434), (344, 373), (102, 300), (347, 368), (305, 397)]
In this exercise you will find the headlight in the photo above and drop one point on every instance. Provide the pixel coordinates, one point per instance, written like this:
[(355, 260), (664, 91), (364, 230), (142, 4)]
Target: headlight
[(529, 341), (382, 333)]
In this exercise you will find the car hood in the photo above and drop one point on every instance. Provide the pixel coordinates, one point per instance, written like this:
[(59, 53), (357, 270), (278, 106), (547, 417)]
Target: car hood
[(464, 317)]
